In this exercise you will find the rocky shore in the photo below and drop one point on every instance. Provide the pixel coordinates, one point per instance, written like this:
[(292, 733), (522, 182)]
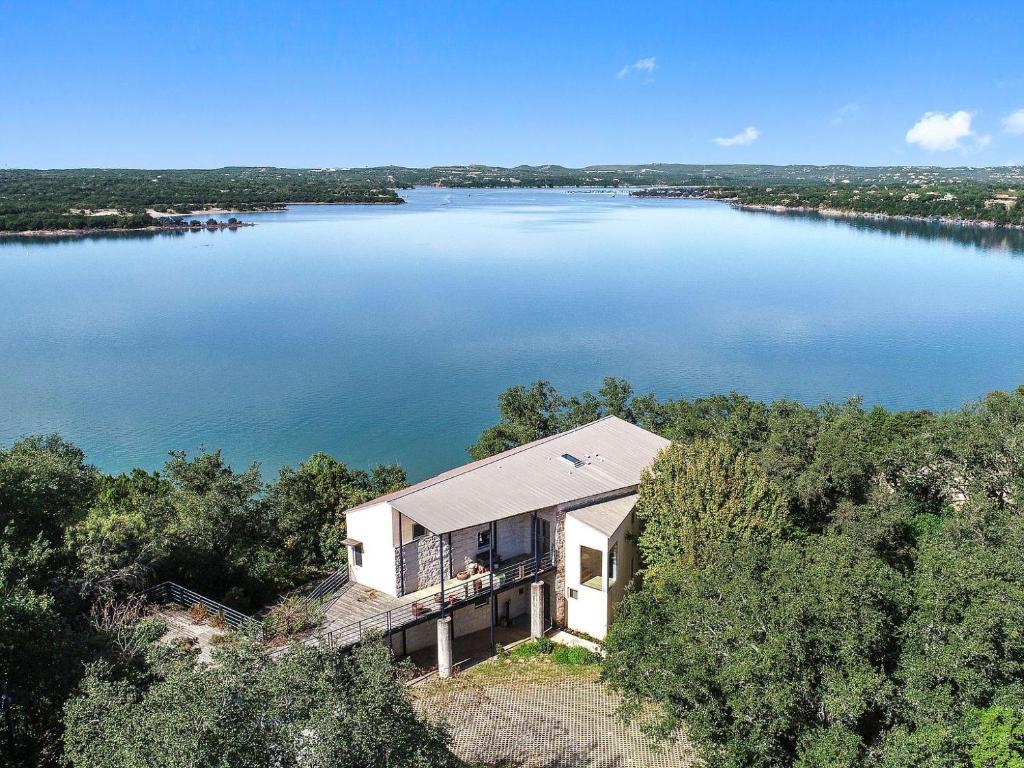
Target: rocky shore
[(698, 193), (85, 231), (839, 213)]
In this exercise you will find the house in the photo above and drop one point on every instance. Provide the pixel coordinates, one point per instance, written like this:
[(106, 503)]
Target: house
[(546, 530)]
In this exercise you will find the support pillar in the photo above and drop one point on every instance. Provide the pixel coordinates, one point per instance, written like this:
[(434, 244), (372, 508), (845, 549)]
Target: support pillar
[(537, 609), (441, 568), (401, 559), (444, 647), (536, 549), (493, 529)]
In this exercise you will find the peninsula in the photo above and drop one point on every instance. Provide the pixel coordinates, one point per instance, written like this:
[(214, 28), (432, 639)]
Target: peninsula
[(79, 201), (949, 200), (86, 200)]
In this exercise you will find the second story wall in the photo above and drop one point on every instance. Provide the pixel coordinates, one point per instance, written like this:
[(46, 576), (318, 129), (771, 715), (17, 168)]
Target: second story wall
[(375, 528)]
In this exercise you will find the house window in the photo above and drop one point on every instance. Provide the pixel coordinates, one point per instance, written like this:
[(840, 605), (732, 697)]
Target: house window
[(483, 539), (418, 530), (613, 564), (357, 554), (590, 567), (573, 594)]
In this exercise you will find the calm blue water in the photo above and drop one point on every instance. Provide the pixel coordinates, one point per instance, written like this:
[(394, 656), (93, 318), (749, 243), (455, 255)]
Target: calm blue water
[(384, 334)]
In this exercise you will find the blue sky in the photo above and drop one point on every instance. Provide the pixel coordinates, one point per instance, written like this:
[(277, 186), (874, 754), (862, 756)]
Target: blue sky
[(425, 83)]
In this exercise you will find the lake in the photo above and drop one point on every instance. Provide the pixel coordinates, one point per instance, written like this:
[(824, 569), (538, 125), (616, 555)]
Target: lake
[(383, 334)]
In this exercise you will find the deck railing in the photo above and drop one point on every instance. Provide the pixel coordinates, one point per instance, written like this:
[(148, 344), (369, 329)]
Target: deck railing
[(329, 585), (455, 596), (170, 592)]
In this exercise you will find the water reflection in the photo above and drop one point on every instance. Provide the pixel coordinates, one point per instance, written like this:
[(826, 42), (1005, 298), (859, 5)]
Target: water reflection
[(384, 333), (109, 234), (972, 236)]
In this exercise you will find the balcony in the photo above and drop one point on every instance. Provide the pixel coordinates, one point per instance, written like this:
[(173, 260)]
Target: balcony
[(426, 604)]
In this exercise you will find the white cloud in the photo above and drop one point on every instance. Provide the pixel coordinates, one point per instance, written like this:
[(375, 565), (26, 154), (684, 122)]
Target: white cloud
[(845, 111), (939, 132), (747, 136), (1014, 123), (647, 65)]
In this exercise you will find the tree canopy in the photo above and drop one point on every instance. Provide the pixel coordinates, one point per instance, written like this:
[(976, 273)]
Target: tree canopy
[(76, 543), (313, 707), (823, 585)]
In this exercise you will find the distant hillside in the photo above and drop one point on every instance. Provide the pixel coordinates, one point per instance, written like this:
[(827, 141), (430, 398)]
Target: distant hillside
[(85, 199)]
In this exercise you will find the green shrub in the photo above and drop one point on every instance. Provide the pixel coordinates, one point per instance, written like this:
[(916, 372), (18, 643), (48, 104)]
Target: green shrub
[(544, 645), (573, 656), (293, 615), (999, 739), (525, 651), (150, 629)]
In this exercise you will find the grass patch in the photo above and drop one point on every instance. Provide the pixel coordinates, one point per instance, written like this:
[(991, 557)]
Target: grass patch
[(573, 656), (523, 651), (537, 660)]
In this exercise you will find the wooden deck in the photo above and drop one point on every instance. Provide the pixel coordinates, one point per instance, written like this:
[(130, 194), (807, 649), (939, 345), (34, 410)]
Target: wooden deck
[(355, 602)]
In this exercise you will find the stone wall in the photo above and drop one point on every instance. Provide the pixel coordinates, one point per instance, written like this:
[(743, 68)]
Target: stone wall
[(515, 537), (420, 559), (464, 547), (559, 609), (407, 564)]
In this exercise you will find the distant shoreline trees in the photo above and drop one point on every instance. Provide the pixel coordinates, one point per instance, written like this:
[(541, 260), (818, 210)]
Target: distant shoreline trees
[(963, 201)]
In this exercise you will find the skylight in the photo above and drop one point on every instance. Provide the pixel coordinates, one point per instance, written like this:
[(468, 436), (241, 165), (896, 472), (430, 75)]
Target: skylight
[(572, 460)]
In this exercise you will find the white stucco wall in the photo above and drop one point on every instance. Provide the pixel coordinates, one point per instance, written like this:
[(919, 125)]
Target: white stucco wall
[(376, 528), (593, 610), (624, 538), (588, 611)]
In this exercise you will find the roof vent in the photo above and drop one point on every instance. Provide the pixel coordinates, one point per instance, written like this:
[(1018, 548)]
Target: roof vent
[(572, 460)]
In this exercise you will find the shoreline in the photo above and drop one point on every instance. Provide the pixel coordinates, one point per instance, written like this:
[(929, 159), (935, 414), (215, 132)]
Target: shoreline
[(87, 231), (157, 216), (831, 213), (840, 213)]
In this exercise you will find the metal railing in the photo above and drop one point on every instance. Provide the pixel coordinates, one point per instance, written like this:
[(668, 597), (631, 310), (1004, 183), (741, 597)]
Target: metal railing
[(455, 596), (329, 585), (170, 592)]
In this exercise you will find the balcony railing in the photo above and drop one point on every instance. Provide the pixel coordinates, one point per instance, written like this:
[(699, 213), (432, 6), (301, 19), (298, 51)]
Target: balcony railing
[(429, 605), (329, 585), (170, 592)]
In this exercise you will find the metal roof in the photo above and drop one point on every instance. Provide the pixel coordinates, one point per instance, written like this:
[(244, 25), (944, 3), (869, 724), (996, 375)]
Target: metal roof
[(606, 516), (531, 477)]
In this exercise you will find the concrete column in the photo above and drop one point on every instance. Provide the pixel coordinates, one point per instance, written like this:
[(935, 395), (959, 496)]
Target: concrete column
[(444, 647), (537, 609)]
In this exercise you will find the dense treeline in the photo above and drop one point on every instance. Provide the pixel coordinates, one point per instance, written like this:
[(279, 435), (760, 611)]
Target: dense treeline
[(824, 586), (678, 173), (969, 202), (68, 199), (964, 201), (76, 544)]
